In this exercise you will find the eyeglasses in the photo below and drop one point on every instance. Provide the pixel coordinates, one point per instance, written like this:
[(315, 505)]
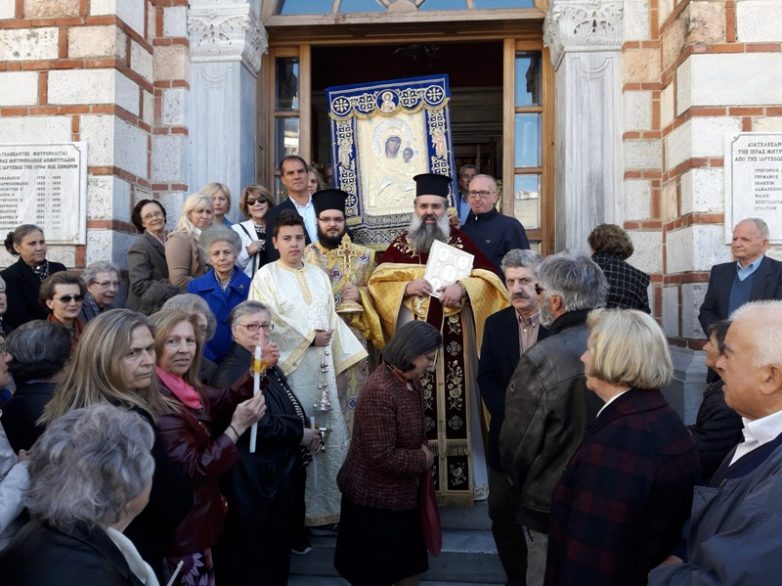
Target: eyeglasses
[(252, 202), (69, 298), (538, 289), (252, 328), (152, 215), (107, 284), (480, 194)]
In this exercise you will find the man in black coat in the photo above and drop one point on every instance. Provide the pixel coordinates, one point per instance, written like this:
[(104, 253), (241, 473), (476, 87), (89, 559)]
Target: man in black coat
[(294, 177), (494, 233), (508, 333), (547, 404), (751, 277)]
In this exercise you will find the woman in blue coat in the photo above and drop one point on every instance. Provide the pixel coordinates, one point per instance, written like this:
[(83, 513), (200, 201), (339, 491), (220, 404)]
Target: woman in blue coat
[(223, 287)]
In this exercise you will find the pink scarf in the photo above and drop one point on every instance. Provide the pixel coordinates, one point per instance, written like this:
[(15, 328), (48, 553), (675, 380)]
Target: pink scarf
[(181, 389)]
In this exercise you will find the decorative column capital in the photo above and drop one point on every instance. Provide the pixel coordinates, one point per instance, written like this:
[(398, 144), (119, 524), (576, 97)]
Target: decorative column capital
[(221, 30), (582, 25)]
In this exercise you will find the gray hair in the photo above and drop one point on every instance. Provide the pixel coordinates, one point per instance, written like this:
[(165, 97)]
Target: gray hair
[(218, 233), (88, 465), (189, 303), (40, 350), (517, 258), (99, 266), (759, 224), (576, 278), (766, 330), (248, 308), (412, 340)]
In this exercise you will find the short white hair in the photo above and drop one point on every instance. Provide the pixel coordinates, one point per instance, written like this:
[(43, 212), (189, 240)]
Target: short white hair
[(760, 224), (766, 330)]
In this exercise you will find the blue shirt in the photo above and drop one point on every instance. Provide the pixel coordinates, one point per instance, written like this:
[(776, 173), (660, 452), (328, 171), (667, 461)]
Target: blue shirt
[(744, 272)]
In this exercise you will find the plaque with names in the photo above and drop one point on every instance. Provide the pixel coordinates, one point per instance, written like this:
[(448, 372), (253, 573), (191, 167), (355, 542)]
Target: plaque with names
[(753, 181), (46, 185)]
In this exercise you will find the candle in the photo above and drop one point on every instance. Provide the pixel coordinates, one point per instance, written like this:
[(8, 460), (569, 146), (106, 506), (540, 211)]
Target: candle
[(256, 389)]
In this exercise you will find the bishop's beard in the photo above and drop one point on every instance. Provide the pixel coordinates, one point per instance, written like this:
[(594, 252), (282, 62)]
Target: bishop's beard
[(421, 236)]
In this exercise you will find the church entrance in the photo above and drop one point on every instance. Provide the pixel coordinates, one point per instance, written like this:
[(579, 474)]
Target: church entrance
[(501, 103)]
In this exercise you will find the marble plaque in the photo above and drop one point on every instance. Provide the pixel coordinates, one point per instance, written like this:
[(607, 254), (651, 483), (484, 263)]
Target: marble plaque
[(46, 185), (753, 181)]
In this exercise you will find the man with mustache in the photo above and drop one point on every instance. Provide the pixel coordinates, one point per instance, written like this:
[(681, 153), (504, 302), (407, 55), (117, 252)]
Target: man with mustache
[(349, 284), (547, 403), (508, 334), (400, 294)]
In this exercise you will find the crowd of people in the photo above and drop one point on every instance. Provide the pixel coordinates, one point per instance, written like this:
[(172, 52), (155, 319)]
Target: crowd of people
[(269, 380)]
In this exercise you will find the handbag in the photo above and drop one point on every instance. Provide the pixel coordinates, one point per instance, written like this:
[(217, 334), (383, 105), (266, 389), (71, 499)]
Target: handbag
[(430, 515)]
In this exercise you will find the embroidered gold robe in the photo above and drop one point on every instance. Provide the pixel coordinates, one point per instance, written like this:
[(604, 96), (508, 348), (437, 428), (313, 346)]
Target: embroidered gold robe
[(452, 401)]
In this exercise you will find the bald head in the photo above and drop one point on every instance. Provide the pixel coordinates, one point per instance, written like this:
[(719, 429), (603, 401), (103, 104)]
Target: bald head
[(751, 365)]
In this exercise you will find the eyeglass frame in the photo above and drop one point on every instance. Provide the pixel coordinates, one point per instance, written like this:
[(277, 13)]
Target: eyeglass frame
[(480, 194), (253, 328), (68, 298)]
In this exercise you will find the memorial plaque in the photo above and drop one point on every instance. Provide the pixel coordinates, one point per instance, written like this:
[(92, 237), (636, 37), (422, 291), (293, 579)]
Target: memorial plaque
[(46, 185), (753, 181)]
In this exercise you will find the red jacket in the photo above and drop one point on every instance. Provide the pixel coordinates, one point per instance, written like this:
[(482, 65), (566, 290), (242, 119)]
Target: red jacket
[(385, 460), (188, 438)]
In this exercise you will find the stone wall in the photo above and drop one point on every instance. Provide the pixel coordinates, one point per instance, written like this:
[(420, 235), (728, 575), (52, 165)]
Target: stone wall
[(694, 70), (110, 73)]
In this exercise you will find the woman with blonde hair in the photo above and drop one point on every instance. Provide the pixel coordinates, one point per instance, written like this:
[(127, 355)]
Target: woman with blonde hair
[(620, 504), (221, 200), (200, 436), (114, 364), (182, 255), (255, 202)]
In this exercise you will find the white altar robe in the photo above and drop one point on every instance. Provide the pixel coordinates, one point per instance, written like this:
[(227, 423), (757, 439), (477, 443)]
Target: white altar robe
[(301, 301)]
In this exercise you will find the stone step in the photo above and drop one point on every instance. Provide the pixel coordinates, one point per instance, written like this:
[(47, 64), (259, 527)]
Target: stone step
[(475, 518), (468, 557)]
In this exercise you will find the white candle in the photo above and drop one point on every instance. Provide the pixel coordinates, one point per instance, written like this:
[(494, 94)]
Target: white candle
[(256, 390)]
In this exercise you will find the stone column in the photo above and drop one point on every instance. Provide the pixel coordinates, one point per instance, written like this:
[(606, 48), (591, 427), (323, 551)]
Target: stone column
[(227, 40), (585, 40)]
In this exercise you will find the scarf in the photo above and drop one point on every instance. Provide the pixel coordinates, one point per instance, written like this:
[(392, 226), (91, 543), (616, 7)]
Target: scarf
[(185, 392)]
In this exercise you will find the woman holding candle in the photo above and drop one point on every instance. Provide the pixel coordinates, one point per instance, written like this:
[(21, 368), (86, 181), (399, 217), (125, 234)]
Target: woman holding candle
[(265, 490), (192, 437), (382, 472)]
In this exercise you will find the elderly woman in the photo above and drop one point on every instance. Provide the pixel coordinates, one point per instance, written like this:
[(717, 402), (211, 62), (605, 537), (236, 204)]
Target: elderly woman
[(717, 427), (200, 437), (255, 202), (221, 201), (102, 281), (265, 490), (63, 294), (40, 351), (388, 455), (620, 504), (23, 278), (223, 287), (207, 325), (182, 256), (90, 475), (147, 255), (627, 286), (115, 365)]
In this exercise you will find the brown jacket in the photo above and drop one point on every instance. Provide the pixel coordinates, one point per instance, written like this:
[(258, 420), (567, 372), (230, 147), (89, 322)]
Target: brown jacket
[(183, 259)]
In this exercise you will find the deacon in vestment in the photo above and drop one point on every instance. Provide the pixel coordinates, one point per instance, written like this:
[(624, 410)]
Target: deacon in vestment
[(315, 346), (348, 266), (400, 293)]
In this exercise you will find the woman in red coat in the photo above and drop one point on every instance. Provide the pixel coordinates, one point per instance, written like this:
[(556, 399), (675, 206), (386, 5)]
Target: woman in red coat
[(194, 442), (380, 540), (623, 498)]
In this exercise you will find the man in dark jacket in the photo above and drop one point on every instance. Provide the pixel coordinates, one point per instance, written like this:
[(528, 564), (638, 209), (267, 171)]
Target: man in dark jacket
[(507, 334), (547, 404), (494, 233)]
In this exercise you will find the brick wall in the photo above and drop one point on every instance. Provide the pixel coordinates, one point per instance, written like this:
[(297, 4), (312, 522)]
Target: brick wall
[(100, 71), (694, 70)]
